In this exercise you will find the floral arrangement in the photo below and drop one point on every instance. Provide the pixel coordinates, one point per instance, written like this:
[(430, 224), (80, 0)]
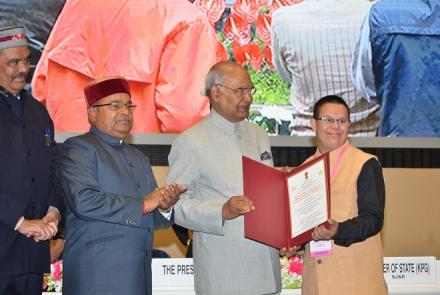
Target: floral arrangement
[(291, 272), (243, 29), (53, 281), (244, 34)]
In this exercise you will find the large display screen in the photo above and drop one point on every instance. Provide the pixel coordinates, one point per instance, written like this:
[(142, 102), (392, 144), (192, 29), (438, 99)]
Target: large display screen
[(295, 51)]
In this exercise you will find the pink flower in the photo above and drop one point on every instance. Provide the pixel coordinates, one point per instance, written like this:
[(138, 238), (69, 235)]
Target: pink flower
[(263, 28), (212, 8), (295, 266), (248, 53), (268, 56), (237, 29), (247, 9), (221, 52), (58, 270)]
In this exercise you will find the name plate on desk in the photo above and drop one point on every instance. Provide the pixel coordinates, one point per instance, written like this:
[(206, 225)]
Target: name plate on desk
[(410, 270), (172, 272)]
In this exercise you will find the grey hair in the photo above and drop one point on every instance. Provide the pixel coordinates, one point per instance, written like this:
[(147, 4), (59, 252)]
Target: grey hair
[(214, 76), (217, 74)]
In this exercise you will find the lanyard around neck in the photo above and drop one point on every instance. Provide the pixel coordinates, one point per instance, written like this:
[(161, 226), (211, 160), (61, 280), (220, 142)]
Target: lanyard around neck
[(335, 167)]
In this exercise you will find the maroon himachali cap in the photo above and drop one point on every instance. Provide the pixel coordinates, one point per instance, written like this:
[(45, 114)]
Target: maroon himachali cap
[(98, 89)]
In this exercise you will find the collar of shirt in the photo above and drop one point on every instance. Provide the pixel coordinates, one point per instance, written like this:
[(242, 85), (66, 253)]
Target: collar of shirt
[(222, 123), (8, 94), (13, 101), (105, 137)]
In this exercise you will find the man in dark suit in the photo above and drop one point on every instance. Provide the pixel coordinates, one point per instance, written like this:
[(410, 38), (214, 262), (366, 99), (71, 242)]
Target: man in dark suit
[(29, 196), (112, 201)]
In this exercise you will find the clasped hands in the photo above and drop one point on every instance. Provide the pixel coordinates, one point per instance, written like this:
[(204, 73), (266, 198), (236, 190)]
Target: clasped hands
[(40, 229), (163, 198)]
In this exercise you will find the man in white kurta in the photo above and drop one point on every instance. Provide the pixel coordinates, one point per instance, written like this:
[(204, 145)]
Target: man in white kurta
[(207, 158)]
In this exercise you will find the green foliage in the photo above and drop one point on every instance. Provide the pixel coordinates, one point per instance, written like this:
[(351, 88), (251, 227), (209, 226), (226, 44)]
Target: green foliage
[(266, 124), (270, 125), (271, 88)]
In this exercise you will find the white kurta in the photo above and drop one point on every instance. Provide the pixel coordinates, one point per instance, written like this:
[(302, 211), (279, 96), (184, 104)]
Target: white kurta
[(207, 158)]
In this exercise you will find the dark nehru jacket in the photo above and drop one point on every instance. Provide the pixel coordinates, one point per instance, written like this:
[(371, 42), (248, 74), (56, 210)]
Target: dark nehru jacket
[(27, 180)]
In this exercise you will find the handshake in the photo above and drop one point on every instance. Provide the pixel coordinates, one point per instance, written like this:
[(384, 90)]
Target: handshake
[(40, 229)]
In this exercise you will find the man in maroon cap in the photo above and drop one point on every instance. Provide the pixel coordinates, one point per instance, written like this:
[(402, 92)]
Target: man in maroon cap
[(29, 196), (113, 204)]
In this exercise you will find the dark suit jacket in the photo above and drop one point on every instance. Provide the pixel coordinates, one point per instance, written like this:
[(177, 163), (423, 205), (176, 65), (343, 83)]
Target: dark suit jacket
[(108, 240), (27, 180)]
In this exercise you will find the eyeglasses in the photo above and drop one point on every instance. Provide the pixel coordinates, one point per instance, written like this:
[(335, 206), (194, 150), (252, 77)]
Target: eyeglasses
[(330, 120), (116, 106), (241, 91)]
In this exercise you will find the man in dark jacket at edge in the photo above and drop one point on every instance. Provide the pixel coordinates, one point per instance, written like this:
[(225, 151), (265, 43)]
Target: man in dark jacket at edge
[(30, 199)]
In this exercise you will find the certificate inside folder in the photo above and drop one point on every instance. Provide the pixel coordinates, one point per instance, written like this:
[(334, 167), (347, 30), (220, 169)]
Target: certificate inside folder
[(288, 206)]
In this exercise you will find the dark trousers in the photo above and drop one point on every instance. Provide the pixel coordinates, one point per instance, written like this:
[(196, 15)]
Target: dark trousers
[(28, 284)]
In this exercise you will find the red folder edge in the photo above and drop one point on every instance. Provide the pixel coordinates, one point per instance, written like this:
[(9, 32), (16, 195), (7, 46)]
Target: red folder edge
[(267, 188), (264, 185)]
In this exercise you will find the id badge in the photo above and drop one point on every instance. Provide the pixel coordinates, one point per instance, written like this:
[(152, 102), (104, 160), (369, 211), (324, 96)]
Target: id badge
[(320, 248)]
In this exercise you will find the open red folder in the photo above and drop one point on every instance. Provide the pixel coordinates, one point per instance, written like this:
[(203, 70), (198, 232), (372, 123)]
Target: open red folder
[(271, 222)]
